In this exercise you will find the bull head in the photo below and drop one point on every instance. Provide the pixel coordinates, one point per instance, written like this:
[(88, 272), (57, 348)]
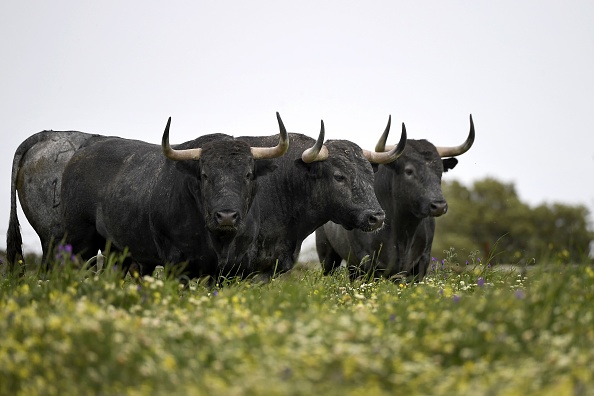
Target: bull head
[(442, 151), (257, 152)]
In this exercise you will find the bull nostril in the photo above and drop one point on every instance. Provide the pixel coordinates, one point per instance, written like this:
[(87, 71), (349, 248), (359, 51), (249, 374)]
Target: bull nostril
[(376, 219), (438, 208), (227, 217)]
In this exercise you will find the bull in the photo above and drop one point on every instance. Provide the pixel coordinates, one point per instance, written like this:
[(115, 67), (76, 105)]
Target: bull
[(37, 170), (409, 191), (315, 182), (189, 204)]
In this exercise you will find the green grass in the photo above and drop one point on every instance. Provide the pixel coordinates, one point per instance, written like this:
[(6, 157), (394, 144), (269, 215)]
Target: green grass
[(474, 331)]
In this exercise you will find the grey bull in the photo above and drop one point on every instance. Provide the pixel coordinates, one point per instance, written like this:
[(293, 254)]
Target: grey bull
[(37, 170)]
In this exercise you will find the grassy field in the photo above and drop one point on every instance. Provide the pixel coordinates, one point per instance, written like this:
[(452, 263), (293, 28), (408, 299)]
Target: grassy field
[(465, 330)]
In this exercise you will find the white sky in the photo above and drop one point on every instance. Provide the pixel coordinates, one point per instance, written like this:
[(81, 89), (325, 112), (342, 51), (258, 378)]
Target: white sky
[(524, 69)]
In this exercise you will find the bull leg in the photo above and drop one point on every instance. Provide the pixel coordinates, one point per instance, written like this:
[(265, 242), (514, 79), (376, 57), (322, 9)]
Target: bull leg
[(331, 261), (418, 272), (328, 257), (85, 243)]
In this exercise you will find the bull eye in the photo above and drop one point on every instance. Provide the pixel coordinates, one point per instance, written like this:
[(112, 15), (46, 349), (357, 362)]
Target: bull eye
[(249, 175), (203, 176), (339, 177), (409, 171)]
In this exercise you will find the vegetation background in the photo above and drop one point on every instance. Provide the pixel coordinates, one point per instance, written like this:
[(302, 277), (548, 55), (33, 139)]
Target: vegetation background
[(489, 217), (465, 330), (470, 327)]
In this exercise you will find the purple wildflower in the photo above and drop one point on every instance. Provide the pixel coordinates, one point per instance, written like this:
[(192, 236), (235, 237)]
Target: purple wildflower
[(480, 282), (456, 298), (520, 294), (64, 252), (215, 293)]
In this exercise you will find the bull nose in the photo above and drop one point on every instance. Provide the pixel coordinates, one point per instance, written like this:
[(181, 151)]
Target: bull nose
[(227, 218), (376, 220), (438, 208)]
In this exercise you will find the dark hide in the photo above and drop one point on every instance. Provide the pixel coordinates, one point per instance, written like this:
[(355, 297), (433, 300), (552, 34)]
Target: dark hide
[(409, 191), (299, 197), (37, 177), (165, 212)]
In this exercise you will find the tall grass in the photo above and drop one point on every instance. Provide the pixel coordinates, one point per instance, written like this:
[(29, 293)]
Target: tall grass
[(466, 329)]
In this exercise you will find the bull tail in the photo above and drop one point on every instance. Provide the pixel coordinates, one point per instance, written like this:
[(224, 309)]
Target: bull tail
[(14, 241)]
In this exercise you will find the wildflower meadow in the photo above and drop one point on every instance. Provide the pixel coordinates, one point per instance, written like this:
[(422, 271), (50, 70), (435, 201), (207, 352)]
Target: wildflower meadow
[(466, 329)]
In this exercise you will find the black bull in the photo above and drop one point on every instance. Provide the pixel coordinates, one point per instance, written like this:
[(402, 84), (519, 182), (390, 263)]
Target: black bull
[(409, 191), (181, 206), (315, 182), (194, 204)]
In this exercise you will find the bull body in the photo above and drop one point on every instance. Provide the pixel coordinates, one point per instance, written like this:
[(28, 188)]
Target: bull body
[(301, 196), (409, 191), (224, 232), (37, 169), (198, 211)]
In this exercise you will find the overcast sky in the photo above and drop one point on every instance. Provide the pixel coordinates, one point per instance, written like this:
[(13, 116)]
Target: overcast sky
[(524, 69)]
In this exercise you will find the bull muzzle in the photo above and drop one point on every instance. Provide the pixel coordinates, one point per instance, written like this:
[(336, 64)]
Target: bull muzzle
[(227, 218), (438, 208), (375, 220)]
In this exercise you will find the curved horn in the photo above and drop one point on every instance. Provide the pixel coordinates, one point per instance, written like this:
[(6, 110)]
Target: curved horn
[(273, 152), (382, 157), (319, 152), (381, 143), (461, 149), (177, 155)]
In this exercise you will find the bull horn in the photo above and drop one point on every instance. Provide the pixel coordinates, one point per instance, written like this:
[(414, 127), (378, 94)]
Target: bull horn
[(178, 155), (257, 152), (381, 144), (461, 149), (274, 152), (381, 157), (319, 152)]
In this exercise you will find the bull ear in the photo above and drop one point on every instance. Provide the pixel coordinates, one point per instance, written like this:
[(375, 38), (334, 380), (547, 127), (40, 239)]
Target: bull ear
[(264, 166), (449, 163), (312, 169)]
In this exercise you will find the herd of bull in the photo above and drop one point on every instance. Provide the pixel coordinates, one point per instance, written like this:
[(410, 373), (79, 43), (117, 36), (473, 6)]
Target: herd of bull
[(233, 206)]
